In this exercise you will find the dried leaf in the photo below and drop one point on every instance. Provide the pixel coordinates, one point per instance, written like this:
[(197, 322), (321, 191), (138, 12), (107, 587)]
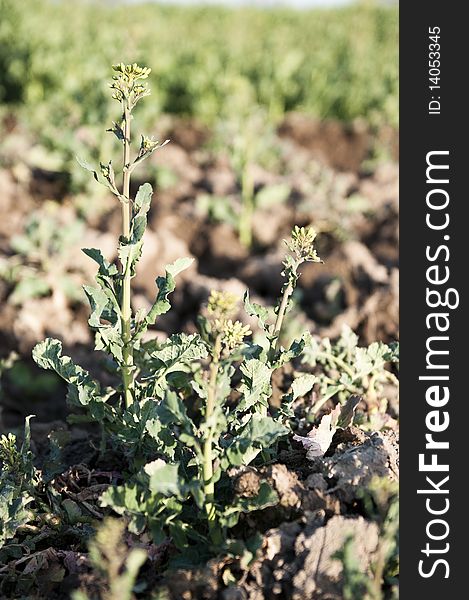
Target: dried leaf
[(319, 439)]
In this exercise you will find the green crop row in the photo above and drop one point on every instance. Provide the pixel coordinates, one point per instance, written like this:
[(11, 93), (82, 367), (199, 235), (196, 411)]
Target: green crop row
[(209, 62)]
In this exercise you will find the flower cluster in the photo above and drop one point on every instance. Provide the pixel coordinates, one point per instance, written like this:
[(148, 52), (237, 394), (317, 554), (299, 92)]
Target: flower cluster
[(126, 84), (107, 171), (301, 244), (232, 332), (147, 146), (222, 305)]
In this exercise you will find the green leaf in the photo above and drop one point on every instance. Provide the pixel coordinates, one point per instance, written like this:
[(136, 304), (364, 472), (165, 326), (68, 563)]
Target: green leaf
[(74, 513), (104, 307), (106, 269), (266, 497), (14, 510), (143, 198), (264, 431), (117, 130), (175, 355), (109, 338), (86, 165), (173, 411), (130, 249), (106, 181), (98, 300), (54, 463), (260, 433), (181, 349), (164, 478), (296, 348), (303, 384), (255, 385), (256, 310), (82, 388), (300, 386), (166, 285), (123, 498), (270, 195)]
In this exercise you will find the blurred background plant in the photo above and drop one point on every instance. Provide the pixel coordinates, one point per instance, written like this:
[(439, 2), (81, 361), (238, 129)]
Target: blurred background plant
[(40, 263), (207, 61)]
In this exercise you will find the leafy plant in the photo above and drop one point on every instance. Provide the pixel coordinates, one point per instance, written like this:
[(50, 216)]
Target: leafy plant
[(230, 426), (40, 264), (248, 138), (117, 567), (18, 481), (343, 368), (117, 330), (195, 405)]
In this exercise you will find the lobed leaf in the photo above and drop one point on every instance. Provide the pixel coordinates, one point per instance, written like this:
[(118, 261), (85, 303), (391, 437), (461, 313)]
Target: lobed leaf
[(82, 388), (166, 285), (164, 478), (256, 310), (106, 269), (255, 385)]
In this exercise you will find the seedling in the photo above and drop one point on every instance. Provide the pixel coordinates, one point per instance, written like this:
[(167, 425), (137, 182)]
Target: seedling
[(18, 481), (248, 139), (344, 368), (381, 503), (40, 266), (115, 565), (226, 209)]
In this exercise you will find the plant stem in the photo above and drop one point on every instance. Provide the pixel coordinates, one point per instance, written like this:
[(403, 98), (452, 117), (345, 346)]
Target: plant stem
[(287, 292), (247, 197), (209, 486), (127, 367), (339, 362)]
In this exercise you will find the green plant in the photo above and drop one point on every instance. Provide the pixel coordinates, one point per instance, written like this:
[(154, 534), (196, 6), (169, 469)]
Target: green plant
[(226, 209), (355, 583), (230, 426), (190, 408), (344, 368), (29, 508), (40, 265), (249, 138), (116, 565), (338, 208), (118, 331), (18, 482), (128, 89), (381, 503)]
